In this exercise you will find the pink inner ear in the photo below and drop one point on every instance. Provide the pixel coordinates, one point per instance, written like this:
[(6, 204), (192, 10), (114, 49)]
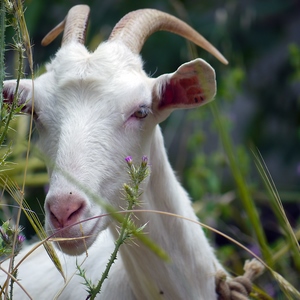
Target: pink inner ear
[(7, 97), (181, 92), (24, 90)]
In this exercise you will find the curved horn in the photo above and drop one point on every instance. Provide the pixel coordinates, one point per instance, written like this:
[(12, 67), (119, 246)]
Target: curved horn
[(135, 27), (74, 26)]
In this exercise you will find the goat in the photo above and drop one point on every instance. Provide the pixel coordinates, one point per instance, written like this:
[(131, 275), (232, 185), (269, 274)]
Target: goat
[(91, 111)]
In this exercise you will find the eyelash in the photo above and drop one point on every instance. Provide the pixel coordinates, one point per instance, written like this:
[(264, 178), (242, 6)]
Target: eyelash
[(142, 112)]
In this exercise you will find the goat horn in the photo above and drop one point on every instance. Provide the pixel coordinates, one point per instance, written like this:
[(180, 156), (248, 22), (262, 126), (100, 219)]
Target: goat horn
[(74, 26), (135, 27)]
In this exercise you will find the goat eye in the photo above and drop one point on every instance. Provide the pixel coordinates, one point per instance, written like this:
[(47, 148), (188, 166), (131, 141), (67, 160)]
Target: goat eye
[(142, 112)]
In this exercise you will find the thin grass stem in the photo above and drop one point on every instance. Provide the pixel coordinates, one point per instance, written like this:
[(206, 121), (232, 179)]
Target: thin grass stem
[(2, 50), (244, 193)]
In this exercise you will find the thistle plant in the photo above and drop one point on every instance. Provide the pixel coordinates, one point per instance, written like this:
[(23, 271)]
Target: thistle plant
[(10, 238), (11, 241), (11, 15), (131, 193)]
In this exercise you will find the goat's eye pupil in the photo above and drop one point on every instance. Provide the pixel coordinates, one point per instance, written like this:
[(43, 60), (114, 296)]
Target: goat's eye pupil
[(142, 112)]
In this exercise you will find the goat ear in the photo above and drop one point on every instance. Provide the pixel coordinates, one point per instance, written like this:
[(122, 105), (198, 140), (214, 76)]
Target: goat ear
[(192, 85), (24, 91)]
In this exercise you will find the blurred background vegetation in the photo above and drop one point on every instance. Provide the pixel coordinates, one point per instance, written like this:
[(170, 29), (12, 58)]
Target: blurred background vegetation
[(257, 107)]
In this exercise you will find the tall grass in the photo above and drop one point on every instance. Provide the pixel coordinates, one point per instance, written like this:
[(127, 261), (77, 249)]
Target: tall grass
[(281, 257), (252, 212), (12, 14)]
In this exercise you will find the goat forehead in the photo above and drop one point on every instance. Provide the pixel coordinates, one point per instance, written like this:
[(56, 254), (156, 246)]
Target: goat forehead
[(123, 93), (111, 73), (92, 86), (75, 61)]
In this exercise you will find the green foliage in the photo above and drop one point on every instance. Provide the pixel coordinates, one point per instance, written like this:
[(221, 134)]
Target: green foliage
[(202, 178), (11, 240), (294, 51), (2, 49), (229, 194)]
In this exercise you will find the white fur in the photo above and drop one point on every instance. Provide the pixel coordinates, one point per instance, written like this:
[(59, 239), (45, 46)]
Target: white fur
[(84, 104)]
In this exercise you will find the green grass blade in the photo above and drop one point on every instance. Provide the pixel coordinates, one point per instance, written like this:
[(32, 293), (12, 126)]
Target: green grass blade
[(241, 185), (277, 207), (2, 50)]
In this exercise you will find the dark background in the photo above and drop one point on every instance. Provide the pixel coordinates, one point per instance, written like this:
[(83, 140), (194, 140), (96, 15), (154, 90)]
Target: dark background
[(258, 98)]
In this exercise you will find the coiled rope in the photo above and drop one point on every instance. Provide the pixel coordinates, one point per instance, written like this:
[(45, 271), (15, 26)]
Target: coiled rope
[(238, 288)]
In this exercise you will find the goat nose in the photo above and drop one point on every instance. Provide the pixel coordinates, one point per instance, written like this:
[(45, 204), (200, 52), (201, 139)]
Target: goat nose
[(65, 210)]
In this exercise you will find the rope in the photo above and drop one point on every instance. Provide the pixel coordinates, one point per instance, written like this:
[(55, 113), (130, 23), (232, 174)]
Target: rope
[(240, 287)]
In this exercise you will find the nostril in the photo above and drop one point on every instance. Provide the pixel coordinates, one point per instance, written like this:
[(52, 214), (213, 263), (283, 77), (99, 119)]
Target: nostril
[(65, 211), (54, 220), (75, 213), (53, 215)]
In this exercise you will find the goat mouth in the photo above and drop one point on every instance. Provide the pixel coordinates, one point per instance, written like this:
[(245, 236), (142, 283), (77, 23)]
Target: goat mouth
[(75, 246), (75, 240)]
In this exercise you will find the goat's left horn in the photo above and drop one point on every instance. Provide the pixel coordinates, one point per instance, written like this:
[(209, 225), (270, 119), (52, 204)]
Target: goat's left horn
[(74, 26), (135, 27)]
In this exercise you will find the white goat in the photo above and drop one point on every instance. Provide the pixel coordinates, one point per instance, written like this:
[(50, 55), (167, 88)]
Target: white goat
[(92, 110)]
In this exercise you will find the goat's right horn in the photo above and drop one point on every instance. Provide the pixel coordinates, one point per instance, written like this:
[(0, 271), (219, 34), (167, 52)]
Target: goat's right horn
[(74, 26), (135, 27)]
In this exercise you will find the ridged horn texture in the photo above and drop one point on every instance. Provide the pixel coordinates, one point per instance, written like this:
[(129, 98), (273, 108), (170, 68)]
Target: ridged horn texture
[(74, 26), (135, 28)]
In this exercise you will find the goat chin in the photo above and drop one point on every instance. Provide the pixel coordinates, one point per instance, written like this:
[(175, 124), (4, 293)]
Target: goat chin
[(75, 241)]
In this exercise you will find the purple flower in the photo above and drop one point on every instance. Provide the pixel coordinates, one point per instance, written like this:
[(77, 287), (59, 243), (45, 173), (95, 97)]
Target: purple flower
[(128, 159), (4, 235), (144, 161), (255, 249), (21, 238), (298, 169), (5, 238)]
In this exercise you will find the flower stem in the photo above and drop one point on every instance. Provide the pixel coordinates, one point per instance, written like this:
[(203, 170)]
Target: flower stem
[(132, 193)]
